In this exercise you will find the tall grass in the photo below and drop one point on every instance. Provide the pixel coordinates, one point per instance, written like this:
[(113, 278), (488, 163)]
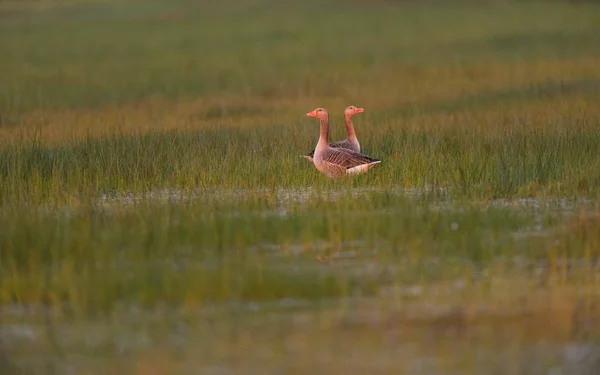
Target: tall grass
[(260, 245), (534, 159)]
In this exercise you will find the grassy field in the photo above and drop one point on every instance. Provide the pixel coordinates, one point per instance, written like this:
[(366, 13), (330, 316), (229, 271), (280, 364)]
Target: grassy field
[(156, 216)]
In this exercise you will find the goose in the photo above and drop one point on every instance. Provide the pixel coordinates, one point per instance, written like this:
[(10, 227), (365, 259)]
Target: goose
[(351, 142), (336, 162)]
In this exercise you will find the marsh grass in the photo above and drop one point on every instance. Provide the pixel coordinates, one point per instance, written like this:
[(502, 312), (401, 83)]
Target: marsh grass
[(264, 246), (157, 217), (551, 159)]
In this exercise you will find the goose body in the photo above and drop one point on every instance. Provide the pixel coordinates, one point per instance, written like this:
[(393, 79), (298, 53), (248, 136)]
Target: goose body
[(351, 142), (336, 161)]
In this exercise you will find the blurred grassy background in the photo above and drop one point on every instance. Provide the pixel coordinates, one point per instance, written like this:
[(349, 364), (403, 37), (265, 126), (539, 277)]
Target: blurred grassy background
[(385, 54)]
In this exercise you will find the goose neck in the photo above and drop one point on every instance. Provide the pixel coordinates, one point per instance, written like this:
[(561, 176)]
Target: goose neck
[(324, 133), (349, 127)]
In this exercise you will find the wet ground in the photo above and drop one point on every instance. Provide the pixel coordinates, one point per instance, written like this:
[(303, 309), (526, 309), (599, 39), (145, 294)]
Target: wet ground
[(425, 315)]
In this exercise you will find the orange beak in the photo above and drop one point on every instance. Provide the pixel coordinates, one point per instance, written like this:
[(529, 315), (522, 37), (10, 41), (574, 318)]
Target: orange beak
[(359, 110), (312, 113)]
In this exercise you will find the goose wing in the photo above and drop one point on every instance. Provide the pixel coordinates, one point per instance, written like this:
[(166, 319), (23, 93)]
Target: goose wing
[(346, 159), (342, 144)]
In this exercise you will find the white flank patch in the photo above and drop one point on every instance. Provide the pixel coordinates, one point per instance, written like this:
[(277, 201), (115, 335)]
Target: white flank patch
[(361, 168)]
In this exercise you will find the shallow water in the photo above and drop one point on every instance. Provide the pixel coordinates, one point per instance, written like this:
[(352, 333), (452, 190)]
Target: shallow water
[(440, 200)]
